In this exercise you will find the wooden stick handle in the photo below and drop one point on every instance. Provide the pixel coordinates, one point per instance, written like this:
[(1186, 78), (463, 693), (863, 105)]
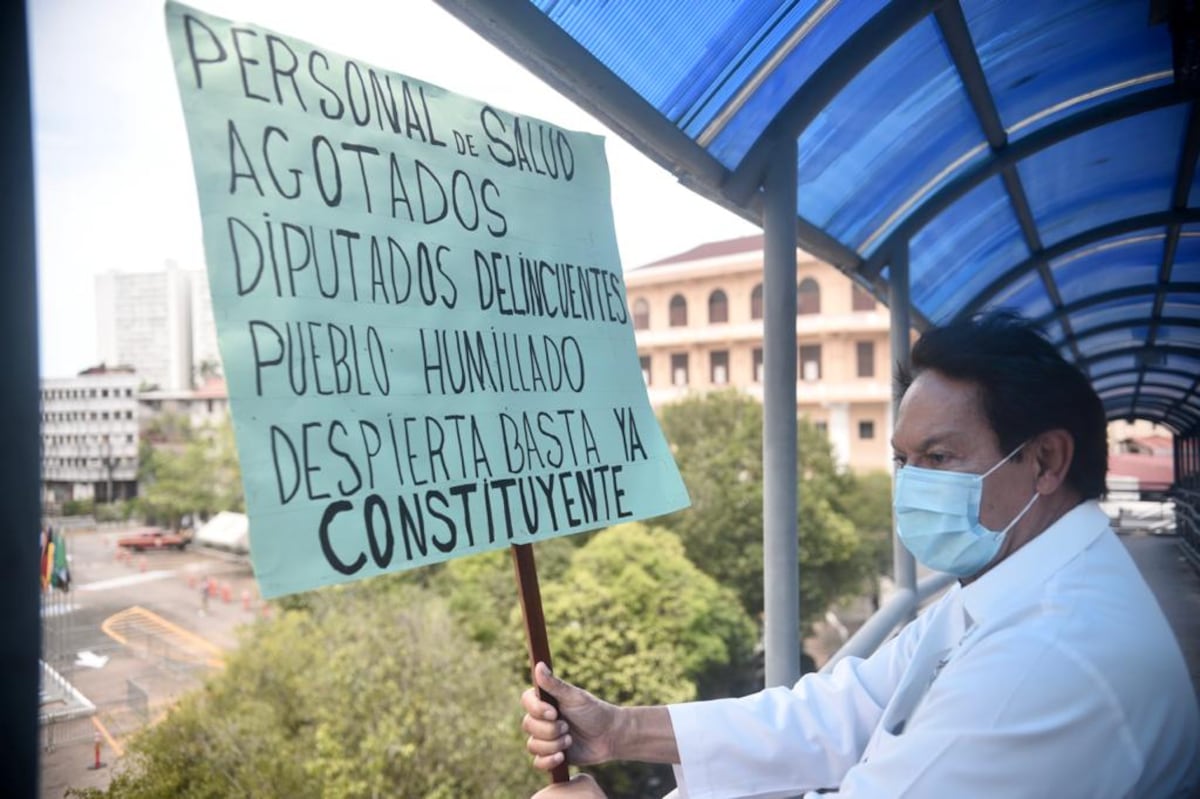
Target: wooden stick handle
[(535, 629)]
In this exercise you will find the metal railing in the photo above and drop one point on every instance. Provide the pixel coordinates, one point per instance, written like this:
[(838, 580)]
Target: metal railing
[(894, 613), (1187, 523)]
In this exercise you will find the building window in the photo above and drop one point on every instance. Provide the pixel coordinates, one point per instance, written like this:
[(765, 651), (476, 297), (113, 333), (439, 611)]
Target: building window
[(644, 360), (678, 311), (718, 362), (758, 365), (866, 429), (808, 297), (865, 353), (810, 362), (861, 299), (641, 314), (822, 427), (718, 307), (756, 306), (679, 369)]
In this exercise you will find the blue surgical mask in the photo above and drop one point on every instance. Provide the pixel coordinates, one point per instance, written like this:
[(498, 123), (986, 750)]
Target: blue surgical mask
[(937, 517)]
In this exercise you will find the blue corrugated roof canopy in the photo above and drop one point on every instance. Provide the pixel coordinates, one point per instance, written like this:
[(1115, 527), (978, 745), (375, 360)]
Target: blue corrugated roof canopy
[(1017, 153)]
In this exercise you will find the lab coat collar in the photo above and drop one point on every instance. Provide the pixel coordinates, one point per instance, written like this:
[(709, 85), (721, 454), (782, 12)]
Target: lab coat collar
[(1029, 567)]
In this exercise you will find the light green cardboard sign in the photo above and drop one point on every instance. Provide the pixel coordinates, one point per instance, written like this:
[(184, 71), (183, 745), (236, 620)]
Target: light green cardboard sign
[(420, 309)]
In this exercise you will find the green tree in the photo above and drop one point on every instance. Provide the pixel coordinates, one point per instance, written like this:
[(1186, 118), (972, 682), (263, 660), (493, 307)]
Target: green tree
[(717, 441), (482, 592), (174, 484), (634, 621), (188, 471), (867, 503), (225, 470), (365, 694)]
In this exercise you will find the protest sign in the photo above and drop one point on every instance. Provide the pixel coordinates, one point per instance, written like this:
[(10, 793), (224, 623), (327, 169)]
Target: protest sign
[(420, 309)]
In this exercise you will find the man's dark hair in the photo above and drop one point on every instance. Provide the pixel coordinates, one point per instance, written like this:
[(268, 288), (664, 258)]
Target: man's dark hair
[(1025, 385)]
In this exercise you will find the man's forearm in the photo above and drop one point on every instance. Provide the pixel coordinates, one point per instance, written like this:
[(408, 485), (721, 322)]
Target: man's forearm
[(645, 734)]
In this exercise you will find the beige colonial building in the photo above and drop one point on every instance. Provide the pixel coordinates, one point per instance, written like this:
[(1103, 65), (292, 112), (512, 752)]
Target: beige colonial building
[(698, 321)]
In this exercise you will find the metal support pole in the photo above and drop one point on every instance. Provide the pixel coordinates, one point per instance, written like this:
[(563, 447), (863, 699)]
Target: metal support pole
[(1193, 469), (20, 507), (781, 548), (904, 567)]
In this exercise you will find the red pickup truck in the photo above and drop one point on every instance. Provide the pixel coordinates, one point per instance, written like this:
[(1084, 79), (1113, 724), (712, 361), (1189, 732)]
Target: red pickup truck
[(153, 538)]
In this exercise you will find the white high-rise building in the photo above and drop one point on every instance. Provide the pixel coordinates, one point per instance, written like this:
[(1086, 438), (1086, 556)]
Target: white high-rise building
[(159, 323), (90, 436), (206, 357)]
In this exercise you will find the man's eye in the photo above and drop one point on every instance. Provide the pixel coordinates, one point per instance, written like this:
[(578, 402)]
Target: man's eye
[(937, 458), (898, 461)]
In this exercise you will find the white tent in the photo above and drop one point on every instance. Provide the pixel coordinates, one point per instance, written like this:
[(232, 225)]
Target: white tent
[(227, 530)]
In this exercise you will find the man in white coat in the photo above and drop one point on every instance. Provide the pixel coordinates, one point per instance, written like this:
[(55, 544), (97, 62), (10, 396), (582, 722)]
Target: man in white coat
[(1048, 670)]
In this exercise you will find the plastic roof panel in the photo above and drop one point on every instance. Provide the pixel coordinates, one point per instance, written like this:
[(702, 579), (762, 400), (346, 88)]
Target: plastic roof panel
[(1178, 304), (1083, 183), (1181, 381), (822, 31), (1040, 56), (895, 128), (1109, 265), (1102, 384), (1181, 334), (963, 250), (1025, 154), (1187, 258), (679, 57), (1184, 363), (1026, 295)]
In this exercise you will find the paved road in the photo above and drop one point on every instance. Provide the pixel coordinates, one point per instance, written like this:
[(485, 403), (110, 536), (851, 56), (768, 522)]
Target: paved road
[(147, 616)]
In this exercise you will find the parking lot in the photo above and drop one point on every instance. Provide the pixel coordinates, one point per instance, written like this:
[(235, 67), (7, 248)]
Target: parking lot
[(134, 633)]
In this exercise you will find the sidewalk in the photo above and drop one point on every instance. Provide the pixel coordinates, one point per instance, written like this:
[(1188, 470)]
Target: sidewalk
[(1176, 586)]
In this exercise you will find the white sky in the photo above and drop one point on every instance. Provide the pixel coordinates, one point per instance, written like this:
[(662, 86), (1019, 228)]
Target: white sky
[(114, 176)]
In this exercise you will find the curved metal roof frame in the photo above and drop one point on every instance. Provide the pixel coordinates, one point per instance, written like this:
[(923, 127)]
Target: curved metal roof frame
[(590, 52)]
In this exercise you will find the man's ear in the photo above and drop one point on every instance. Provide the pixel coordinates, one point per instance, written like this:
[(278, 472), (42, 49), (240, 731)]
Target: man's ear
[(1052, 452)]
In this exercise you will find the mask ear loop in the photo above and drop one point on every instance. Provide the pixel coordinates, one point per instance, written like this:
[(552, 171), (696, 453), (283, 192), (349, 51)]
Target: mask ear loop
[(1004, 460), (1020, 515)]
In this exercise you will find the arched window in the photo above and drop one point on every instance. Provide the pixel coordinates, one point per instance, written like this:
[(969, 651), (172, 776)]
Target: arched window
[(756, 308), (861, 299), (808, 297), (718, 307), (641, 314), (678, 311)]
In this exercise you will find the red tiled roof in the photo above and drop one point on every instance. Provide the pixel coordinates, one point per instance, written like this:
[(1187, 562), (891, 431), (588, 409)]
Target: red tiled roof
[(213, 388), (713, 249), (1157, 444), (1151, 471)]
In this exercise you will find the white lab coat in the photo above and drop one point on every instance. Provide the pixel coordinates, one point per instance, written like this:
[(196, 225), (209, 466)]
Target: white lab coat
[(1055, 675)]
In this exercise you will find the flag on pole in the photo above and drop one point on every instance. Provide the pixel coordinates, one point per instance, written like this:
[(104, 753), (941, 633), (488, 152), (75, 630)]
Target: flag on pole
[(47, 562), (62, 572)]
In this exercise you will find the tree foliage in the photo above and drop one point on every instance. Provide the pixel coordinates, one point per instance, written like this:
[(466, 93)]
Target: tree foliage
[(186, 471), (868, 505), (351, 698), (482, 592), (717, 442), (636, 622)]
